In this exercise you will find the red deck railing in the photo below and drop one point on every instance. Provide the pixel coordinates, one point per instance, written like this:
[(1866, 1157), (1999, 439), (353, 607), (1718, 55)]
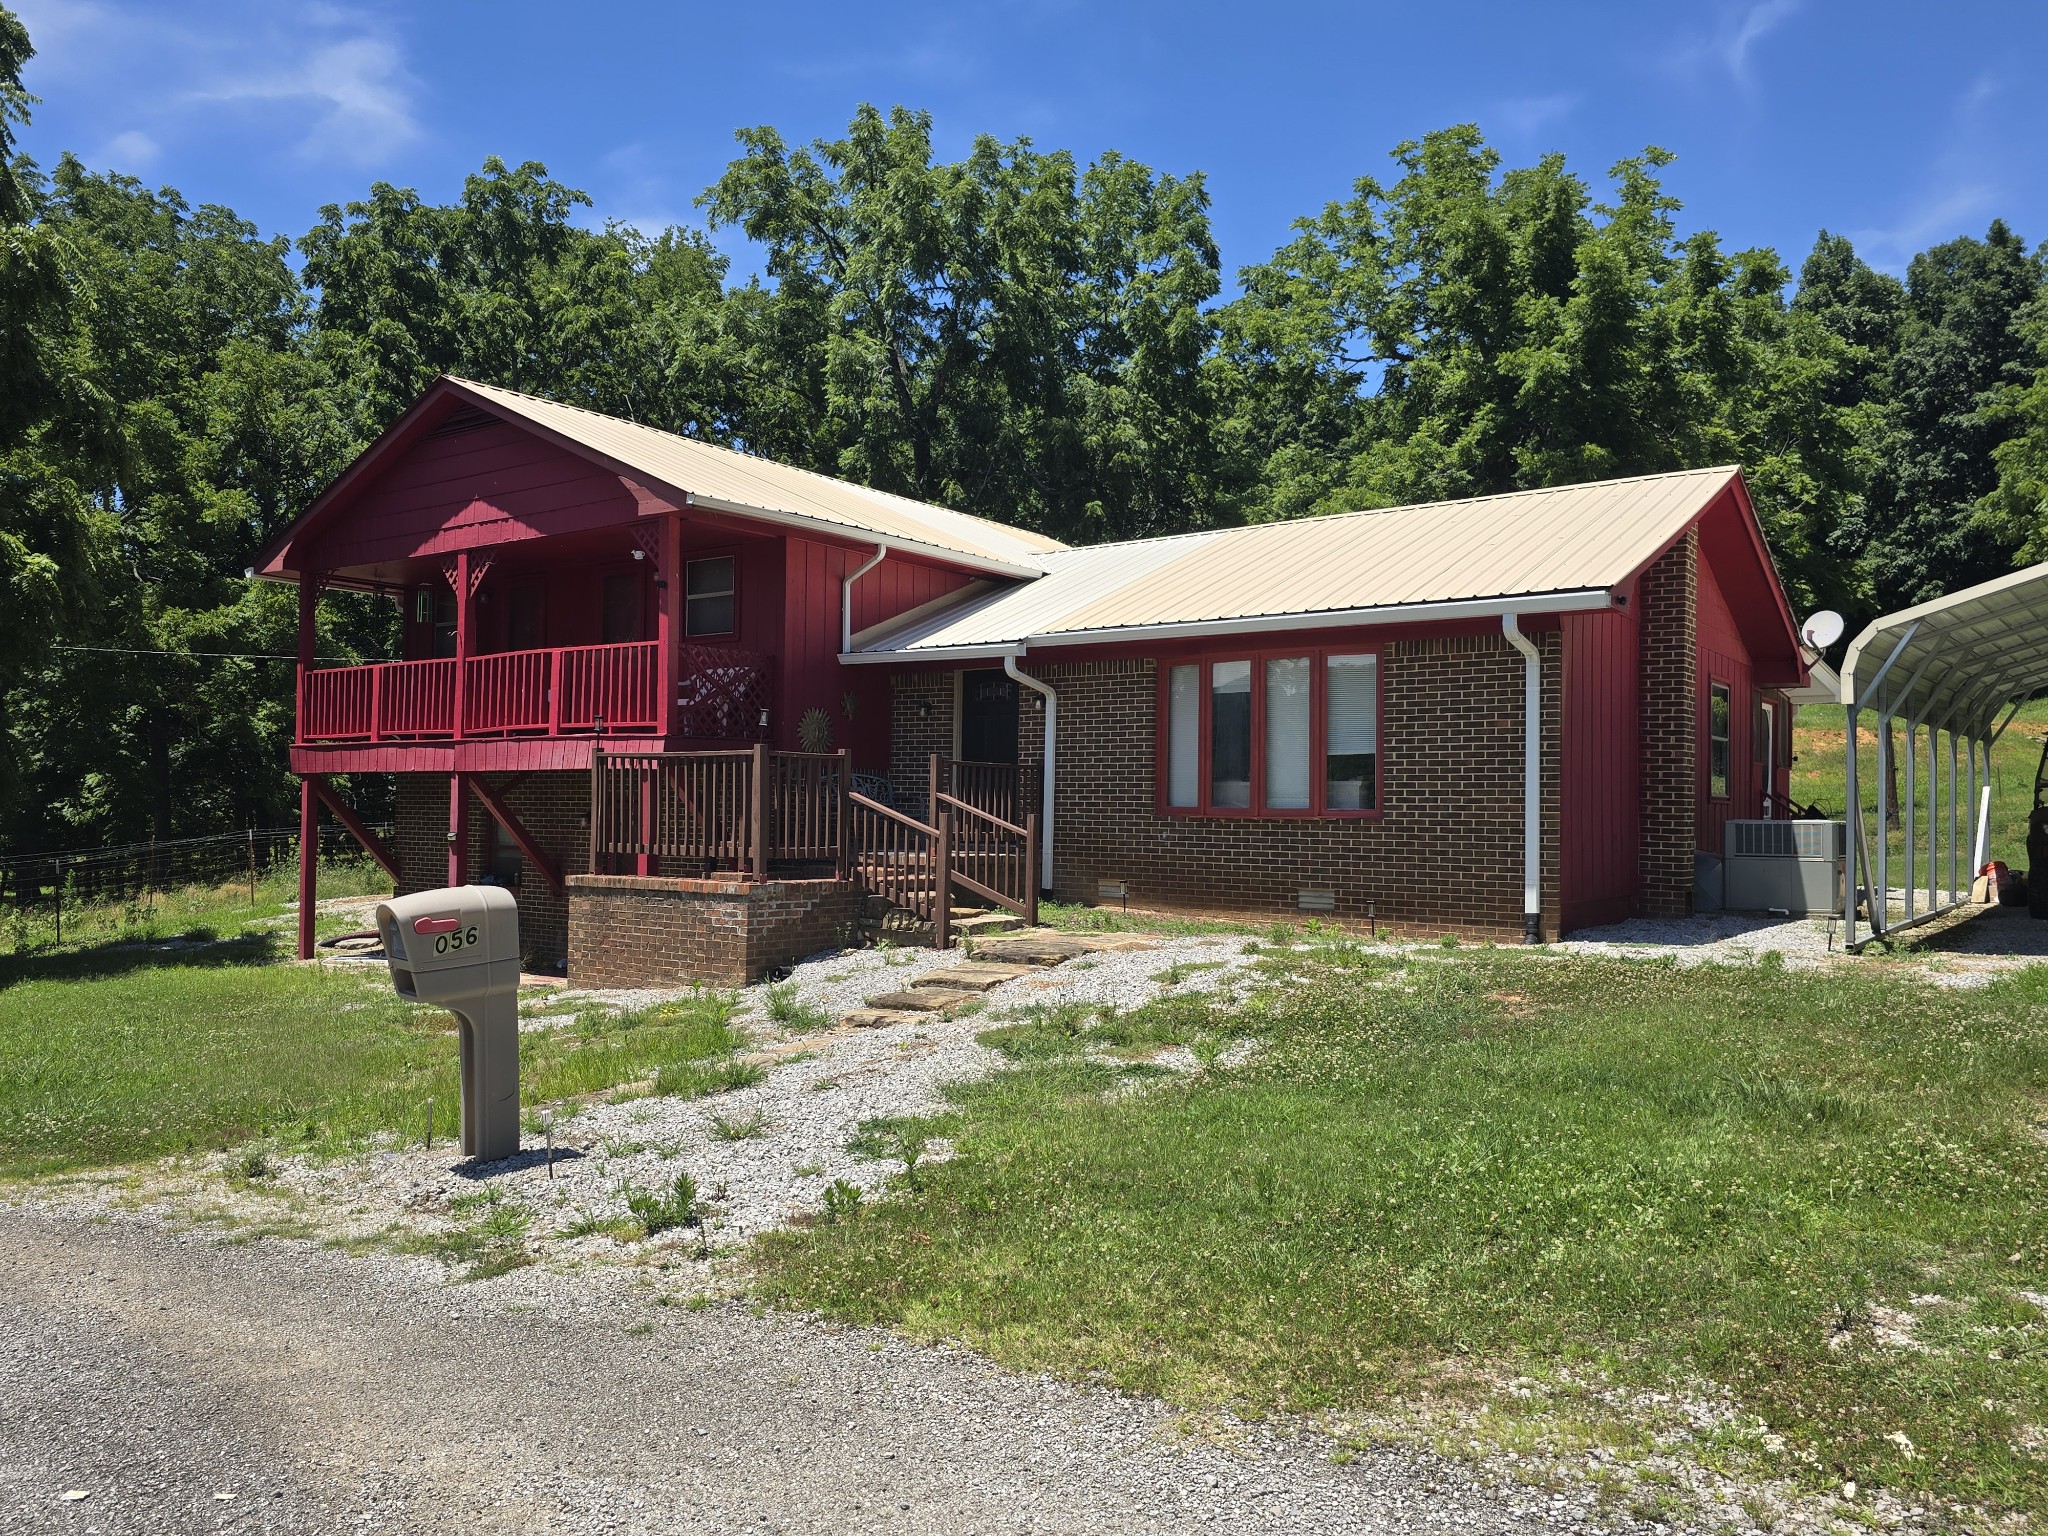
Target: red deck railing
[(721, 693)]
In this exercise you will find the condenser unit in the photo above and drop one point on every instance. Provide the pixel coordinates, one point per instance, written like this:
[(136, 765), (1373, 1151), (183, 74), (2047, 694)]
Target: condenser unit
[(1789, 866)]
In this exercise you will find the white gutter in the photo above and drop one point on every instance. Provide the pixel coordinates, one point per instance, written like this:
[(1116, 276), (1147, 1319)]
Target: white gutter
[(849, 532), (1581, 601), (846, 596), (1052, 726), (1532, 780)]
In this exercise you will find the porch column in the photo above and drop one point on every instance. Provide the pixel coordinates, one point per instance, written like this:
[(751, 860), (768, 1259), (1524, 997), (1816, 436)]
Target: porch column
[(458, 829), (309, 863), (462, 643), (668, 611), (309, 604)]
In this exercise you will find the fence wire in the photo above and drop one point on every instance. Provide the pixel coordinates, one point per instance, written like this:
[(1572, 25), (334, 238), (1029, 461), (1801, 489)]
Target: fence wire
[(92, 876)]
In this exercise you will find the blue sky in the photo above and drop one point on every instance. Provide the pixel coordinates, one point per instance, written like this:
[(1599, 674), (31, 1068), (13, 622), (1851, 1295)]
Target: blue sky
[(1896, 124)]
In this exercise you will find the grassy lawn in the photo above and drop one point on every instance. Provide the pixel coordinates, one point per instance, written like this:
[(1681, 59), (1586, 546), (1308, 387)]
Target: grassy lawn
[(1442, 1174), (1818, 738), (119, 1054)]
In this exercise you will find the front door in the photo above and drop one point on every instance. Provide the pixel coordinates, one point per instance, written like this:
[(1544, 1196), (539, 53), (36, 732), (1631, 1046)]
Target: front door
[(988, 717)]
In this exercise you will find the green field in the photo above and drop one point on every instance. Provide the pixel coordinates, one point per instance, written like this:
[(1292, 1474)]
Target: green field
[(1817, 777), (1443, 1174)]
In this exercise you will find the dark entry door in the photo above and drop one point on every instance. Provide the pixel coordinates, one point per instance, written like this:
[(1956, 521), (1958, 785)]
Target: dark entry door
[(988, 717)]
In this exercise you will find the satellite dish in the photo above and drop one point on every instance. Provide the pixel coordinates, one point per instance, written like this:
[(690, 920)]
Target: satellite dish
[(1822, 630)]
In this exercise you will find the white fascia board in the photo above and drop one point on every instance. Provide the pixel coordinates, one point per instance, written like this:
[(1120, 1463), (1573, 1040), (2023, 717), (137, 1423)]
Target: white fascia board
[(1338, 618), (849, 533), (936, 653), (1591, 599)]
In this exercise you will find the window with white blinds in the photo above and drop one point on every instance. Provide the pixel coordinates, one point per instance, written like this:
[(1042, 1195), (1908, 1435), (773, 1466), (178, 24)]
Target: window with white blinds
[(1271, 734)]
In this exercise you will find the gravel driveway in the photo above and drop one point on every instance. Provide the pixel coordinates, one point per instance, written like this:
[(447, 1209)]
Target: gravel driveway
[(182, 1384)]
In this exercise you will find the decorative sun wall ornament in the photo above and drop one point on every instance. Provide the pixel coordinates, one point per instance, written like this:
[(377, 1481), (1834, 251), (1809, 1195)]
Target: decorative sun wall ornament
[(814, 731)]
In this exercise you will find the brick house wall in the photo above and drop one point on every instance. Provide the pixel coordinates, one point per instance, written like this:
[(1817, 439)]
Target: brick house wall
[(553, 807), (637, 931), (921, 710), (1667, 599), (1446, 857)]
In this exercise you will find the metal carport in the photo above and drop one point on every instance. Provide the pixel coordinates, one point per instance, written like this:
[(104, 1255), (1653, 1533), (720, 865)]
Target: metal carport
[(1947, 668)]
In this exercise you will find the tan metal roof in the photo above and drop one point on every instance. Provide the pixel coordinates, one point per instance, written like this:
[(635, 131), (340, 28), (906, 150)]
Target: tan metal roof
[(1955, 662), (722, 480), (1558, 548)]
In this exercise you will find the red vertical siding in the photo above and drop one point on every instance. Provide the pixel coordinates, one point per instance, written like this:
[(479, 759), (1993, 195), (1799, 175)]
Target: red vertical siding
[(1599, 797), (812, 676), (1724, 658)]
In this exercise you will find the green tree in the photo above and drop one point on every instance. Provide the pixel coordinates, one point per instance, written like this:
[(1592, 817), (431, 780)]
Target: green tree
[(1466, 329), (1962, 353), (2018, 505), (1001, 334)]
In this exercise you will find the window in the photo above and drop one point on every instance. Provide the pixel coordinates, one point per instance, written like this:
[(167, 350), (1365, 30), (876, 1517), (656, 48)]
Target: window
[(1351, 733), (1230, 734), (1184, 738), (1720, 713), (708, 605), (1280, 734), (621, 616)]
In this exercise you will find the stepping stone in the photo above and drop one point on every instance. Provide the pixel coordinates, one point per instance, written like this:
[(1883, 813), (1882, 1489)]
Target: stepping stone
[(922, 1000), (1117, 943), (875, 1018), (987, 922), (1032, 949), (975, 976)]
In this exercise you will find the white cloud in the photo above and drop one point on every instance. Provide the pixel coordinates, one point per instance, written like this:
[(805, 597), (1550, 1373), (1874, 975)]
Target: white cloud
[(325, 82), (357, 86), (132, 152), (1728, 48)]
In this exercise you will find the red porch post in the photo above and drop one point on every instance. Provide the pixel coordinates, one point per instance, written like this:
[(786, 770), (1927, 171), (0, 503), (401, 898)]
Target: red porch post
[(458, 828), (309, 603), (462, 639), (309, 863), (668, 609)]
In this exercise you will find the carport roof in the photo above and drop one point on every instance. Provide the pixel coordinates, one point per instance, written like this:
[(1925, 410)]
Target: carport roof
[(1953, 663)]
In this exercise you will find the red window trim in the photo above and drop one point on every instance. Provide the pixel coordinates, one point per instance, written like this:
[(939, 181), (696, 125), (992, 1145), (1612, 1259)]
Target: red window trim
[(1318, 734)]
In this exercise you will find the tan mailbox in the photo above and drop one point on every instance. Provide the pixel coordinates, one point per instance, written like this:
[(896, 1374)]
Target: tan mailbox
[(459, 949)]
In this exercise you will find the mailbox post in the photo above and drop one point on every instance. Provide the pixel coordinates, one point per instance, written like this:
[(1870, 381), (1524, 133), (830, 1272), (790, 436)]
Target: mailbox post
[(459, 949)]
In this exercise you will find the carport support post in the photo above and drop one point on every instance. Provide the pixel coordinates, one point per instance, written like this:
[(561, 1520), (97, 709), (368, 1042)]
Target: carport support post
[(1852, 818), (309, 864), (1909, 802), (1881, 877)]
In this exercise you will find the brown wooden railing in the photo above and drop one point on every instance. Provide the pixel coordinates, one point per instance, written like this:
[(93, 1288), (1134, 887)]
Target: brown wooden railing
[(995, 859), (990, 788), (740, 810), (748, 811), (900, 858)]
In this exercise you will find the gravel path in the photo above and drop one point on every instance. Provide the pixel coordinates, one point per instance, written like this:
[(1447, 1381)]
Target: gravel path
[(185, 1385), (821, 1085)]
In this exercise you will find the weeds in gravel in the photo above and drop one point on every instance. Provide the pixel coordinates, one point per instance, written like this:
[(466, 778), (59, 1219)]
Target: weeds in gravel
[(1181, 970), (790, 1011), (901, 1138), (659, 1213), (698, 1079), (1801, 1205), (740, 1127)]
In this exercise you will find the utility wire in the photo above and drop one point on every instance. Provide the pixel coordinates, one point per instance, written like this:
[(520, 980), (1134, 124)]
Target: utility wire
[(116, 650)]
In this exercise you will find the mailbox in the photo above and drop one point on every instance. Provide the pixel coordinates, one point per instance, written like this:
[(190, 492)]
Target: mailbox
[(459, 949)]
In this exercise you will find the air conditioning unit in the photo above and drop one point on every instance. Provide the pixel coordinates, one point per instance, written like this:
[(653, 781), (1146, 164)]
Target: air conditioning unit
[(1793, 866)]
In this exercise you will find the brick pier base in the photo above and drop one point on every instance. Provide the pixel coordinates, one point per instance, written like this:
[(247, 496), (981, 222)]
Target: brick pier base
[(642, 931)]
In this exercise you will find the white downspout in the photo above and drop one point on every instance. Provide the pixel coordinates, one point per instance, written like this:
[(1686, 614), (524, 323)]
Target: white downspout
[(1052, 728), (846, 597), (1532, 780)]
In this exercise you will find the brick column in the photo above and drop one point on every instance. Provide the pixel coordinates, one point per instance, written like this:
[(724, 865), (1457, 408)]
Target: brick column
[(1667, 600)]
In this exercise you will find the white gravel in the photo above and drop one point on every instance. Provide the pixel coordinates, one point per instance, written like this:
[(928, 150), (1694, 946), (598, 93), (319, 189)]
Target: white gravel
[(821, 1086)]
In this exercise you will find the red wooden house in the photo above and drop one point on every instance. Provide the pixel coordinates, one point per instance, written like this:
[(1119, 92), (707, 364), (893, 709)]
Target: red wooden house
[(677, 694)]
